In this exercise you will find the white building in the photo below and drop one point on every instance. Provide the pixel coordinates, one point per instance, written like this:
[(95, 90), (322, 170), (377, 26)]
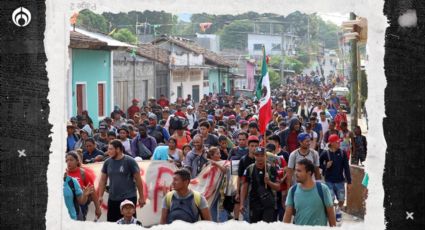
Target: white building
[(272, 44)]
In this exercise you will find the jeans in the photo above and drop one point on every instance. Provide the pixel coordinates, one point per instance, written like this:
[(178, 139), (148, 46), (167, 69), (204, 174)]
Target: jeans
[(337, 189)]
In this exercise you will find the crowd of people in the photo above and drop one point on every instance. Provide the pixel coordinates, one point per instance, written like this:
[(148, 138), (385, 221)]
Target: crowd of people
[(292, 173)]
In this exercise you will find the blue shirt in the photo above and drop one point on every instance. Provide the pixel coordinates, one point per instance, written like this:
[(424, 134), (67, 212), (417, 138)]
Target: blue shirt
[(69, 196), (160, 153), (340, 169), (70, 143), (317, 128), (89, 158)]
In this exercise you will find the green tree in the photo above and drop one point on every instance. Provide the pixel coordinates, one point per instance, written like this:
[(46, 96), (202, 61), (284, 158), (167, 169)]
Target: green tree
[(125, 35), (92, 21), (275, 79), (233, 36), (165, 21)]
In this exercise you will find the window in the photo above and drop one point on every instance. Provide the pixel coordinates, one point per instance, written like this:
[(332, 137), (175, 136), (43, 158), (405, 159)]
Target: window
[(101, 97), (179, 91), (258, 46), (195, 93), (81, 97), (276, 47)]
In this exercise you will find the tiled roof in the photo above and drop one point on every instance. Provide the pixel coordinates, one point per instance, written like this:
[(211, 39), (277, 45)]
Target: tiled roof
[(79, 40), (192, 46), (152, 52)]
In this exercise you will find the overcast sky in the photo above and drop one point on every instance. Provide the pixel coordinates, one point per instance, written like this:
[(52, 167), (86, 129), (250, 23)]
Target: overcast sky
[(336, 18)]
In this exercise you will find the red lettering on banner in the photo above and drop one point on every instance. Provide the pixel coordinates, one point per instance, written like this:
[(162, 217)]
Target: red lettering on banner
[(145, 186), (212, 172), (158, 186)]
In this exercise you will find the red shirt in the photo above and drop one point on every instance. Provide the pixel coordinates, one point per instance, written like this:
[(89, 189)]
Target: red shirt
[(89, 176), (180, 114), (338, 119), (132, 110), (163, 102), (283, 164), (292, 141)]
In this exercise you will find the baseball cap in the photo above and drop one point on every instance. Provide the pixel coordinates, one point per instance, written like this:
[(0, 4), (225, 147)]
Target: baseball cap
[(189, 107), (69, 124), (253, 139), (210, 117), (152, 116), (243, 122), (103, 126), (73, 119), (135, 100), (123, 128), (270, 147), (232, 117), (303, 136), (334, 138), (126, 202), (260, 150)]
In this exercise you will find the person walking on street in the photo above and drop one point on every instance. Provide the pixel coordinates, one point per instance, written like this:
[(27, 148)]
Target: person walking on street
[(260, 184), (183, 203), (143, 145), (360, 146), (334, 163), (303, 152), (124, 181), (197, 158), (127, 210), (309, 202)]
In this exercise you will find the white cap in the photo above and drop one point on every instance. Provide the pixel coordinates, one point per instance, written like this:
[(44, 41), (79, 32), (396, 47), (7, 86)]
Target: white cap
[(189, 107), (125, 202)]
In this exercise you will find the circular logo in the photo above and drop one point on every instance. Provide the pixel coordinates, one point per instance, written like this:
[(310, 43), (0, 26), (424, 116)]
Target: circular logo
[(21, 17)]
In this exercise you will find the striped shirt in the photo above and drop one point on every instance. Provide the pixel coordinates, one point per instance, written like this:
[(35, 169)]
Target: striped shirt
[(132, 221)]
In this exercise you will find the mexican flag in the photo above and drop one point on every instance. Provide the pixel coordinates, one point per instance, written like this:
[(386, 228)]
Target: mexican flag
[(263, 94)]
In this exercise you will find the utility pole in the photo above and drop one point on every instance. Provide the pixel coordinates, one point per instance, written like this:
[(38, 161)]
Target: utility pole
[(354, 88), (282, 62)]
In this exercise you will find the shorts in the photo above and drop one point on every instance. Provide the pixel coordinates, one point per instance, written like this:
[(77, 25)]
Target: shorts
[(337, 189)]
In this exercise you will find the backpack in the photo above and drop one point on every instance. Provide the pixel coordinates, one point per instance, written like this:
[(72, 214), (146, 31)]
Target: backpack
[(79, 212), (319, 190), (196, 196), (157, 134)]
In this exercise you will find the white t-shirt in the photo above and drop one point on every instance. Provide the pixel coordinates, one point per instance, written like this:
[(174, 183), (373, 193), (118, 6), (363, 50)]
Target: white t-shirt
[(296, 156), (191, 118), (325, 125), (126, 144)]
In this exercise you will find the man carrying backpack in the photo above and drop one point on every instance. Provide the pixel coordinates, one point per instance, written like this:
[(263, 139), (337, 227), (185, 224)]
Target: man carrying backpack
[(334, 163), (309, 202), (143, 145), (259, 183), (183, 203), (160, 134)]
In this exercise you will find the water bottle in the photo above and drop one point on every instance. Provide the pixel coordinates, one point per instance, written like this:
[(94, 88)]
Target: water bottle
[(338, 216)]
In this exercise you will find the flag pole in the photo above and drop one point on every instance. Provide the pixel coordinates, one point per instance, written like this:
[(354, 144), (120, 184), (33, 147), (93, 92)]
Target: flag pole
[(265, 139)]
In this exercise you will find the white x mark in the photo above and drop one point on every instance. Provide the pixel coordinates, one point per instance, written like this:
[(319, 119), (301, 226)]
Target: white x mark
[(22, 153), (409, 215)]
